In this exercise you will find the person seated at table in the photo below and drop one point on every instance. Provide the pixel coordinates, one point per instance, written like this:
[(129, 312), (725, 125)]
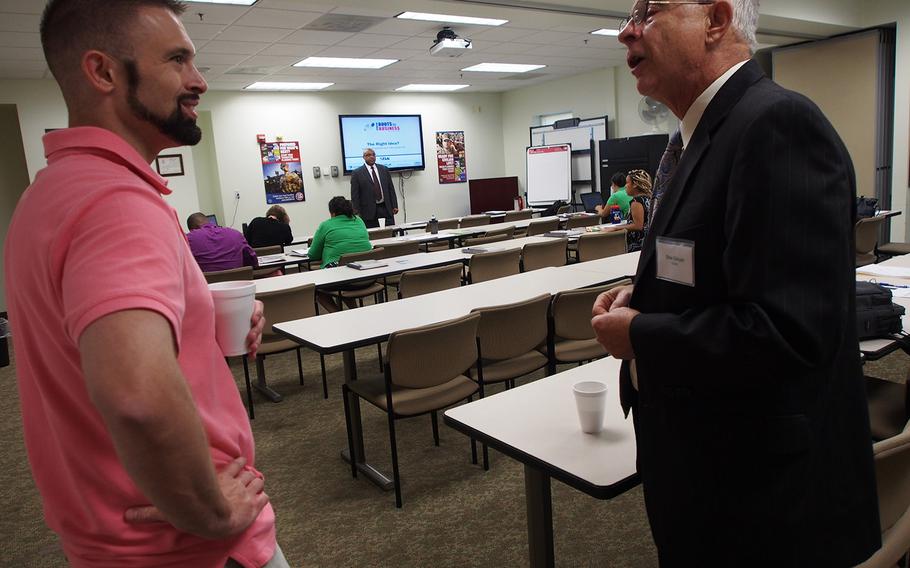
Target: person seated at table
[(271, 230), (340, 234), (638, 187), (618, 196), (218, 248)]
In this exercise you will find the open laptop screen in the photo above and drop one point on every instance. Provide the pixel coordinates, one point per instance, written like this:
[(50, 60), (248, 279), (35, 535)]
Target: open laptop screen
[(213, 219), (591, 200)]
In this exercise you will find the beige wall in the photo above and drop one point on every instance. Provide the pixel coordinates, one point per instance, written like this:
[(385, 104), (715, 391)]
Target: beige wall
[(14, 179)]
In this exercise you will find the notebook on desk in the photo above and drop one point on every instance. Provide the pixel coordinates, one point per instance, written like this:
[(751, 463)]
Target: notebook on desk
[(367, 264)]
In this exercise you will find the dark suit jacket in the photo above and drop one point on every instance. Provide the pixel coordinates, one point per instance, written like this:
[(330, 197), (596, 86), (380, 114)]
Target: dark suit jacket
[(751, 421), (362, 191)]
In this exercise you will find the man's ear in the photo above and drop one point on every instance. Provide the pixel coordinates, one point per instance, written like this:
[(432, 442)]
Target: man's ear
[(718, 21), (101, 71)]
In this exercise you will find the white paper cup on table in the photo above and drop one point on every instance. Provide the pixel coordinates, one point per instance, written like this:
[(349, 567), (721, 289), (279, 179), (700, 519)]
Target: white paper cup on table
[(381, 222), (233, 310), (591, 402)]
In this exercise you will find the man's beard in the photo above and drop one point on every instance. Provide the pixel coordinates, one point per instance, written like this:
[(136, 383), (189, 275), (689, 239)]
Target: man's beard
[(176, 126)]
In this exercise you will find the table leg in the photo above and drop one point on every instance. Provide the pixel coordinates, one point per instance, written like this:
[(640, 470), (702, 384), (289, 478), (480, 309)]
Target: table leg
[(261, 385), (373, 474), (540, 518)]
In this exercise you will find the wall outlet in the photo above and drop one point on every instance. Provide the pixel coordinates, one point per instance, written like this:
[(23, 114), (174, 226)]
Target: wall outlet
[(236, 195), (334, 171), (317, 172)]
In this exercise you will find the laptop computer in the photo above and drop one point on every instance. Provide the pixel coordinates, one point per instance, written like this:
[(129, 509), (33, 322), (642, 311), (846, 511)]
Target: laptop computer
[(213, 219), (591, 201)]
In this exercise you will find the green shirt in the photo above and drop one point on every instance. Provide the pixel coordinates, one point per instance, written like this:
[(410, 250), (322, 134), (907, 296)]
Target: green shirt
[(338, 236), (622, 199)]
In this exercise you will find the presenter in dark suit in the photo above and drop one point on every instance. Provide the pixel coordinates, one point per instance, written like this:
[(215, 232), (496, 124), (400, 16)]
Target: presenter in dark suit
[(741, 359), (373, 192)]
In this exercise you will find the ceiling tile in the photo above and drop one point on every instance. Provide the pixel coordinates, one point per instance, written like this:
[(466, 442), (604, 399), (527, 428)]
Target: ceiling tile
[(375, 41), (345, 51), (20, 39), (234, 47), (295, 5), (270, 61), (504, 33), (361, 10), (315, 37), (213, 13), (22, 53), (206, 59), (22, 6), (19, 22), (394, 26), (268, 18), (251, 33), (414, 43), (201, 32), (291, 50)]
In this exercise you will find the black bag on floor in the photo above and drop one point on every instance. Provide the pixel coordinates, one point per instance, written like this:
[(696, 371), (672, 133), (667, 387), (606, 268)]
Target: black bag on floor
[(866, 206), (876, 314)]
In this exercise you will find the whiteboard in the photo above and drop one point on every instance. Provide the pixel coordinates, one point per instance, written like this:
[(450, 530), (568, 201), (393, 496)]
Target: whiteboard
[(580, 137), (549, 173)]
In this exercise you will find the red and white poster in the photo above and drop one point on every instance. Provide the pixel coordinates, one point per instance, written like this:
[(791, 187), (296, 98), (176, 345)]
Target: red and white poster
[(282, 172), (450, 157)]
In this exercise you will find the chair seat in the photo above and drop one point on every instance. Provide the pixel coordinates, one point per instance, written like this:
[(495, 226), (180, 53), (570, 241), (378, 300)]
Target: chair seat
[(498, 371), (895, 249), (367, 290), (410, 402), (573, 350), (277, 346)]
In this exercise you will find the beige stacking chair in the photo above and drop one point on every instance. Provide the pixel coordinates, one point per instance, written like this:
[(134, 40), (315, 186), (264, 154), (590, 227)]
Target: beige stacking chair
[(242, 273), (424, 373), (489, 265), (580, 221), (866, 235), (541, 227), (551, 252), (591, 246), (522, 215), (485, 240), (381, 233), (429, 280), (474, 221)]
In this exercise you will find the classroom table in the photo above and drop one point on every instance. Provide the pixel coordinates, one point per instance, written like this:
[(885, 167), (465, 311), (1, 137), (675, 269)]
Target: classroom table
[(537, 424), (346, 330), (895, 270)]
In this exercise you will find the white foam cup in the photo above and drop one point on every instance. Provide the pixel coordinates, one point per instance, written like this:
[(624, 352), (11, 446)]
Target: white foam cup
[(590, 400), (233, 309), (381, 222)]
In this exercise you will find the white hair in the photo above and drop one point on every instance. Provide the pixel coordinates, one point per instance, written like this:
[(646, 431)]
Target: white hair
[(745, 21)]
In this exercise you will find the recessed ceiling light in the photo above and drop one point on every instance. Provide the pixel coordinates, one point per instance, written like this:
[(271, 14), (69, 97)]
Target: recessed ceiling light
[(503, 67), (235, 2), (422, 16), (286, 86), (345, 62), (428, 87), (606, 32)]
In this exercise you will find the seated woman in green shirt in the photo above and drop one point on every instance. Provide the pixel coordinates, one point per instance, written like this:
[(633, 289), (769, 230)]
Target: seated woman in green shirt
[(618, 196), (341, 234)]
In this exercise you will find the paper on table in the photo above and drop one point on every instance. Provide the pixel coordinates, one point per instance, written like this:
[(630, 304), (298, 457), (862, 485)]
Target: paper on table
[(271, 259), (300, 252), (879, 270), (900, 292)]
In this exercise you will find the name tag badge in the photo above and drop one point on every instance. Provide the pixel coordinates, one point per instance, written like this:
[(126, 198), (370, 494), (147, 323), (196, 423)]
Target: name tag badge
[(676, 261)]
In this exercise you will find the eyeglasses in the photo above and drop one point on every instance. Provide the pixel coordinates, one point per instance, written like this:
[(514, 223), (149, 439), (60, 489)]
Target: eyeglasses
[(640, 12)]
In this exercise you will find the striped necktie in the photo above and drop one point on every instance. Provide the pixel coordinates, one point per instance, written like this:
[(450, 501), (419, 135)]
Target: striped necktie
[(665, 171)]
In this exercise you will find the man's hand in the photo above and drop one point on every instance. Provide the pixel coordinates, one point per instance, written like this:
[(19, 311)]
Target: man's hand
[(257, 324), (242, 489), (613, 298), (394, 211)]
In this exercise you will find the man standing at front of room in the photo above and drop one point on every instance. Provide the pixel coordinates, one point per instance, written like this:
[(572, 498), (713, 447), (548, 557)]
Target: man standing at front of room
[(373, 192), (137, 438), (741, 361)]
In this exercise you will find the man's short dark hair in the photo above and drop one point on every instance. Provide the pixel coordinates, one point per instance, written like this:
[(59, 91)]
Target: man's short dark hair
[(619, 179), (69, 28), (196, 220)]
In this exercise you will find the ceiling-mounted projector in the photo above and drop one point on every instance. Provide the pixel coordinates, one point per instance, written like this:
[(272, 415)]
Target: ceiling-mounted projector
[(448, 44)]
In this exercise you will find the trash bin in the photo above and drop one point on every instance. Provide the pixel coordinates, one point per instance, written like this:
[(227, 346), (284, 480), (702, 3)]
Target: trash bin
[(4, 342)]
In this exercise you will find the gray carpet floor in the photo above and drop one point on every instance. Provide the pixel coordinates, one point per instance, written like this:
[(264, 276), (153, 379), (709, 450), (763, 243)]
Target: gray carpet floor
[(454, 514)]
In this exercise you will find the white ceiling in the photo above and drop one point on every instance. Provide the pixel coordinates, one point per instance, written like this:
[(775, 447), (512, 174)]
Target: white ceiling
[(238, 45)]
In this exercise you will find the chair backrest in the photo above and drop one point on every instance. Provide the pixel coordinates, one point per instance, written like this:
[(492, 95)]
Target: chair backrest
[(485, 240), (434, 354), (551, 252), (474, 221), (592, 246), (521, 215), (381, 233), (580, 221), (564, 210), (507, 231), (242, 273), (350, 257), (513, 329), (541, 227), (428, 280), (287, 305), (400, 249), (866, 235), (571, 311), (489, 265), (892, 475), (265, 251), (445, 224)]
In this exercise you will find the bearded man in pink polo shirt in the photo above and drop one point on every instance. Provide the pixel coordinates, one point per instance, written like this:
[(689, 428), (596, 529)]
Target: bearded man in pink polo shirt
[(136, 434)]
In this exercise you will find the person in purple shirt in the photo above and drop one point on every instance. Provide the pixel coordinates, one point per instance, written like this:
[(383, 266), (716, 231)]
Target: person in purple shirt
[(218, 248)]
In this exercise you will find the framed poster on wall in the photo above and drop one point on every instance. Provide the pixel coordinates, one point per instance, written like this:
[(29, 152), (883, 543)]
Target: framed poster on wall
[(450, 157)]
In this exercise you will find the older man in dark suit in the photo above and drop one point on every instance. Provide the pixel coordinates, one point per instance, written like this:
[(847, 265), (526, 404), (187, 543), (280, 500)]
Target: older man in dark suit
[(373, 192), (742, 364)]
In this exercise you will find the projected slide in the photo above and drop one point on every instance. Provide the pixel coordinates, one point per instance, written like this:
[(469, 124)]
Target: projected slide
[(397, 140)]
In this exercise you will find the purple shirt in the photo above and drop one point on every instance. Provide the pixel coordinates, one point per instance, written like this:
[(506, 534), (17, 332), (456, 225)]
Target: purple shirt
[(220, 248)]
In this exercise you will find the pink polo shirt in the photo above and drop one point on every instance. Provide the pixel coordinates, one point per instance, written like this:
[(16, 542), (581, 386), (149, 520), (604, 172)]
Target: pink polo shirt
[(92, 236)]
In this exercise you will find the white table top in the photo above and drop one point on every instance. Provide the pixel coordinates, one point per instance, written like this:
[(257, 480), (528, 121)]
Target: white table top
[(370, 324), (537, 424)]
